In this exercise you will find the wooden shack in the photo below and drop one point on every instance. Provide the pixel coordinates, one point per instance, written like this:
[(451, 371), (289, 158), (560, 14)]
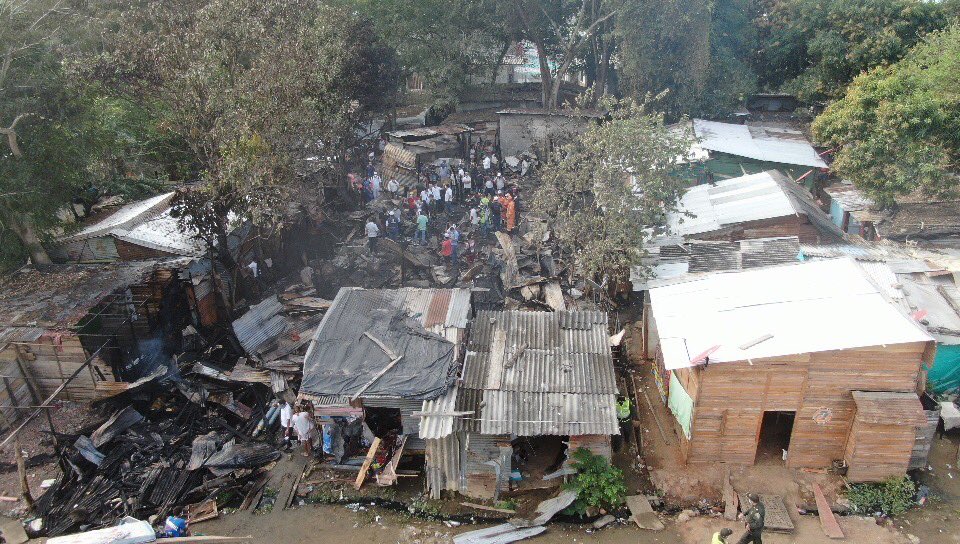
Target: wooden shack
[(58, 319), (768, 366), (763, 205), (408, 151)]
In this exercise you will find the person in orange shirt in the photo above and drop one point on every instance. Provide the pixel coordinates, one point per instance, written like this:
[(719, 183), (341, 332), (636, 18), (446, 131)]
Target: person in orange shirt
[(509, 212)]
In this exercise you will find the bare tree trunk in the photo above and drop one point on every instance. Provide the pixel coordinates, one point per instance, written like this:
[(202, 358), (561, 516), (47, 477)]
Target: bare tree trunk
[(546, 78), (22, 226)]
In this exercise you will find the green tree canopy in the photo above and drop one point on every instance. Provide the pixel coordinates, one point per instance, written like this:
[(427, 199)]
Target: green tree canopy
[(606, 190), (816, 47), (256, 89), (698, 51), (898, 127)]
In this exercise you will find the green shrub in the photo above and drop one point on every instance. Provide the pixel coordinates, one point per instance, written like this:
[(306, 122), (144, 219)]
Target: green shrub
[(597, 483), (891, 497)]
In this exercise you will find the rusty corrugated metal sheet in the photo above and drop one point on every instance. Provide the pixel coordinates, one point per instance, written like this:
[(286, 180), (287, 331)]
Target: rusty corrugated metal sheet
[(437, 313)]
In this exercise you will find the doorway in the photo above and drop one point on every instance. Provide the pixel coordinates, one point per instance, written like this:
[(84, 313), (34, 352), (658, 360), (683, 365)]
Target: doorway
[(774, 440)]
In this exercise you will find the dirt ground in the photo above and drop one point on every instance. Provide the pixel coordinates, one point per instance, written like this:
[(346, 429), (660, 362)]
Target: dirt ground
[(36, 443)]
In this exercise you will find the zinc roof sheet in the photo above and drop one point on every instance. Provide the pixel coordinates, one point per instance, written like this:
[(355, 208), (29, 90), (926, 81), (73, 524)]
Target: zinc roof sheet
[(804, 308), (126, 217), (762, 143), (541, 373)]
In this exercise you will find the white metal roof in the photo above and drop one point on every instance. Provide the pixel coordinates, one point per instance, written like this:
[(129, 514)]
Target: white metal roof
[(162, 233), (710, 207), (805, 308), (127, 217), (759, 142)]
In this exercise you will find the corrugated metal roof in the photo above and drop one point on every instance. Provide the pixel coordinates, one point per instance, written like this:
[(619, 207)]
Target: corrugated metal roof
[(125, 218), (260, 324), (758, 142), (162, 233), (534, 414), (695, 257), (548, 368), (708, 208), (848, 197), (804, 308)]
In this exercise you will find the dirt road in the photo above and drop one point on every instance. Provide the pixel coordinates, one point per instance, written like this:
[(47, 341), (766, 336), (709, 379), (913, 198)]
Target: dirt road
[(336, 524)]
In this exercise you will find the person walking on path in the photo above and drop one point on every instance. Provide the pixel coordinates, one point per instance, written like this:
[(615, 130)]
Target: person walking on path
[(496, 213), (373, 233), (286, 423), (753, 519), (393, 225), (421, 235)]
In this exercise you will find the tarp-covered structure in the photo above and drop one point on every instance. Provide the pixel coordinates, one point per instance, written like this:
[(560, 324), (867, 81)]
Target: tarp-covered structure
[(421, 327)]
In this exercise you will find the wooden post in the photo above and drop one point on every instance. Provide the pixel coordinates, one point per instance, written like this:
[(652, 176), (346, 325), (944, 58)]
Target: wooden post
[(22, 472)]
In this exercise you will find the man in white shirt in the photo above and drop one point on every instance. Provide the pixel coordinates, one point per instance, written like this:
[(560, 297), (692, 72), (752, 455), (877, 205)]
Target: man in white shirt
[(375, 182), (393, 187), (501, 182), (286, 423), (373, 233), (306, 429), (486, 162), (448, 199), (437, 198), (467, 184)]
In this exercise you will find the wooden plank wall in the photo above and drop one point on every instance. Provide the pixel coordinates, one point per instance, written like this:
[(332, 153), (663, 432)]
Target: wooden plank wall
[(877, 452), (51, 360), (731, 399)]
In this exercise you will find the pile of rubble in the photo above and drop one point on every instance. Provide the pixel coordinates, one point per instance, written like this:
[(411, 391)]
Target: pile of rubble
[(190, 434)]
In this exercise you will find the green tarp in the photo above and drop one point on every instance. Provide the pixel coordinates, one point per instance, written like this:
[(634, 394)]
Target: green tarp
[(681, 404), (945, 374)]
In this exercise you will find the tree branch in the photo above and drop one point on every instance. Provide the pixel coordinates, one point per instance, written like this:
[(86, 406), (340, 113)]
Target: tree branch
[(11, 133)]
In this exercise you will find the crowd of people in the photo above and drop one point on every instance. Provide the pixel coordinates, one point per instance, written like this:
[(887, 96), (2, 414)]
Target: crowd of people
[(462, 203)]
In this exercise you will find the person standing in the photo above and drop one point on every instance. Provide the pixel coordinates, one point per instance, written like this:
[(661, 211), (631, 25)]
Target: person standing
[(306, 429), (467, 181), (446, 249), (496, 213), (393, 225), (488, 185), (474, 217), (373, 233), (753, 520), (286, 423), (509, 212), (484, 217), (500, 182), (422, 222), (486, 163), (393, 187), (375, 183), (448, 199), (437, 198)]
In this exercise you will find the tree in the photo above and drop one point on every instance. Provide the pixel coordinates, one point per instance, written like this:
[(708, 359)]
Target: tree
[(255, 88), (562, 31), (816, 47), (898, 127), (39, 159), (610, 187), (697, 51), (449, 43)]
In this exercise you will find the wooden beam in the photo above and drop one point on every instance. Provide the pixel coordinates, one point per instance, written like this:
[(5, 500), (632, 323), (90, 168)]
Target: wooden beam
[(367, 461), (374, 379), (390, 353), (476, 506), (827, 520)]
